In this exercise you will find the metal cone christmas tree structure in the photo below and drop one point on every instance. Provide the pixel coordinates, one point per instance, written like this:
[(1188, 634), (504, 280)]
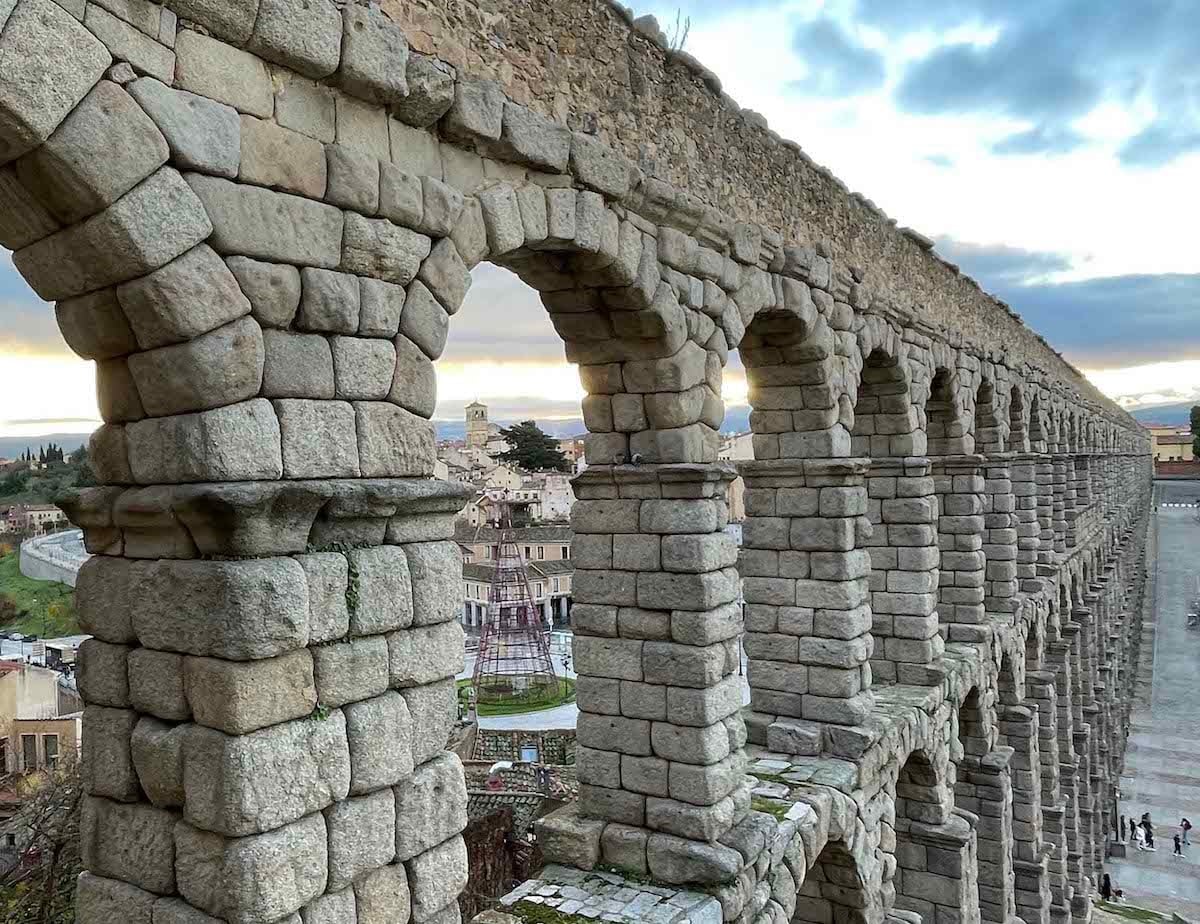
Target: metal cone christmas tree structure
[(514, 662)]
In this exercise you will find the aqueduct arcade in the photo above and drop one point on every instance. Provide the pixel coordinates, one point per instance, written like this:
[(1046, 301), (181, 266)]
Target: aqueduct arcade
[(259, 216)]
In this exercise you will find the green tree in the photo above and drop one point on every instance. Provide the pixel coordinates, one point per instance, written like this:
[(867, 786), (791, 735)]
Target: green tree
[(533, 448), (1196, 430), (14, 484)]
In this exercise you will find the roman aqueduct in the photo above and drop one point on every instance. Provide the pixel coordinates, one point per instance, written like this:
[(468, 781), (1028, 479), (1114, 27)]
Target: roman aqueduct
[(258, 217)]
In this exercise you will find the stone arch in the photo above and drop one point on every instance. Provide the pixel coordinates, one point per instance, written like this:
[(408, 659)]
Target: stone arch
[(989, 434), (1019, 429), (795, 409), (839, 888), (1038, 425), (884, 416), (947, 428), (1035, 638), (975, 727), (263, 250), (266, 299), (935, 847)]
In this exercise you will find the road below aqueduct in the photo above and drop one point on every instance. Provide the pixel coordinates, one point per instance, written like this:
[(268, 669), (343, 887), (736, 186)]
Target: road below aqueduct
[(1161, 772)]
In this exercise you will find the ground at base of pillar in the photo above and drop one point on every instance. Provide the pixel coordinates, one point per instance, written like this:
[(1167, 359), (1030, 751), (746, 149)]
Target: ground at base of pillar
[(600, 894)]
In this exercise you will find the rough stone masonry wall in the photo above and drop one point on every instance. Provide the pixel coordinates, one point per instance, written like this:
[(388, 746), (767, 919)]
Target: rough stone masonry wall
[(258, 217)]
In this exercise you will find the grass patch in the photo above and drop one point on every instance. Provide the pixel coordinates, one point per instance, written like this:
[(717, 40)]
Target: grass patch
[(524, 703), (1132, 912), (42, 608), (777, 809)]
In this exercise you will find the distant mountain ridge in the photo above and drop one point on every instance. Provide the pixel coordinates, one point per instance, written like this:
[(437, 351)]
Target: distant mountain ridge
[(1175, 415)]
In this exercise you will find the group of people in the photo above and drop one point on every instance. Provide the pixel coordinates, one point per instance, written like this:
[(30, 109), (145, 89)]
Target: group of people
[(1142, 833)]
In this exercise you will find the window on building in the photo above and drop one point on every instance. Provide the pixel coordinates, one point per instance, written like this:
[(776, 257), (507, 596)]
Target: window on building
[(541, 553), (487, 553), (566, 552), (10, 840), (3, 755), (528, 553), (50, 750), (539, 590), (28, 752), (555, 584)]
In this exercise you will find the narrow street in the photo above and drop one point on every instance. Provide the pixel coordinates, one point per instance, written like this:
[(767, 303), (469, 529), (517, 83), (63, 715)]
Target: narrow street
[(1162, 766)]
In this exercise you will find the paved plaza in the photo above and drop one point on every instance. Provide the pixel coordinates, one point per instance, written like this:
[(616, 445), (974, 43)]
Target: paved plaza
[(1162, 775)]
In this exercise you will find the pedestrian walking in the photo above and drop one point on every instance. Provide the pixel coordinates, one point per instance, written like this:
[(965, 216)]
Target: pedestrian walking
[(1178, 854), (1148, 829), (1185, 826), (1139, 837), (1106, 888)]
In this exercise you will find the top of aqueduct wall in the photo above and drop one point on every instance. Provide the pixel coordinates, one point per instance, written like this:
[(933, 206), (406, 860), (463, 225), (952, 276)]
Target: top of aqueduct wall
[(591, 65)]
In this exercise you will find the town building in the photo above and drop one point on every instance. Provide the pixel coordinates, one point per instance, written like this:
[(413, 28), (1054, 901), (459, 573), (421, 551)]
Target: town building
[(40, 715), (572, 450), (1171, 443), (35, 519), (546, 551)]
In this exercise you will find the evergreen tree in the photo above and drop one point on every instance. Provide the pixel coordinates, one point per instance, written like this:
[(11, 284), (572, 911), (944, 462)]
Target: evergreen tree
[(533, 448), (1196, 430)]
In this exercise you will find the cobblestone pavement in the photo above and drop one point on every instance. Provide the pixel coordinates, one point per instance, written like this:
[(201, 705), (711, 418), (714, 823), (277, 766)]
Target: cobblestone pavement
[(1162, 775)]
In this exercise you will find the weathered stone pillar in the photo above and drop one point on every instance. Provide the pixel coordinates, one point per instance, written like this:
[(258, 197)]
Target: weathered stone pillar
[(904, 554), (1041, 691), (983, 787), (656, 623), (936, 859), (958, 482), (1000, 539), (1025, 492), (1059, 461), (808, 618), (1059, 658), (1071, 507), (1085, 494), (275, 715), (1045, 515), (1019, 728)]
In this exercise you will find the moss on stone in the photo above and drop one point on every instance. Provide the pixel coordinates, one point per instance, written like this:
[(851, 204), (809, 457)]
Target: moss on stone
[(771, 807), (535, 913)]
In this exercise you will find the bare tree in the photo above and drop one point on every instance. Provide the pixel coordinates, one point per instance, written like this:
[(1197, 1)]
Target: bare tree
[(39, 887), (679, 32)]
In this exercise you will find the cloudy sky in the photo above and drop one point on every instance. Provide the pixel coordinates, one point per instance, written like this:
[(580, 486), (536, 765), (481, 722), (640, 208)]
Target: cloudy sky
[(1049, 146)]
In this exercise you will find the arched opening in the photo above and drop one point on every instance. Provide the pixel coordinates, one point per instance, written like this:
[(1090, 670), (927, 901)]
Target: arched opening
[(884, 424), (989, 437), (508, 420), (947, 432), (837, 891), (1038, 435), (1033, 643), (1018, 428), (976, 729)]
